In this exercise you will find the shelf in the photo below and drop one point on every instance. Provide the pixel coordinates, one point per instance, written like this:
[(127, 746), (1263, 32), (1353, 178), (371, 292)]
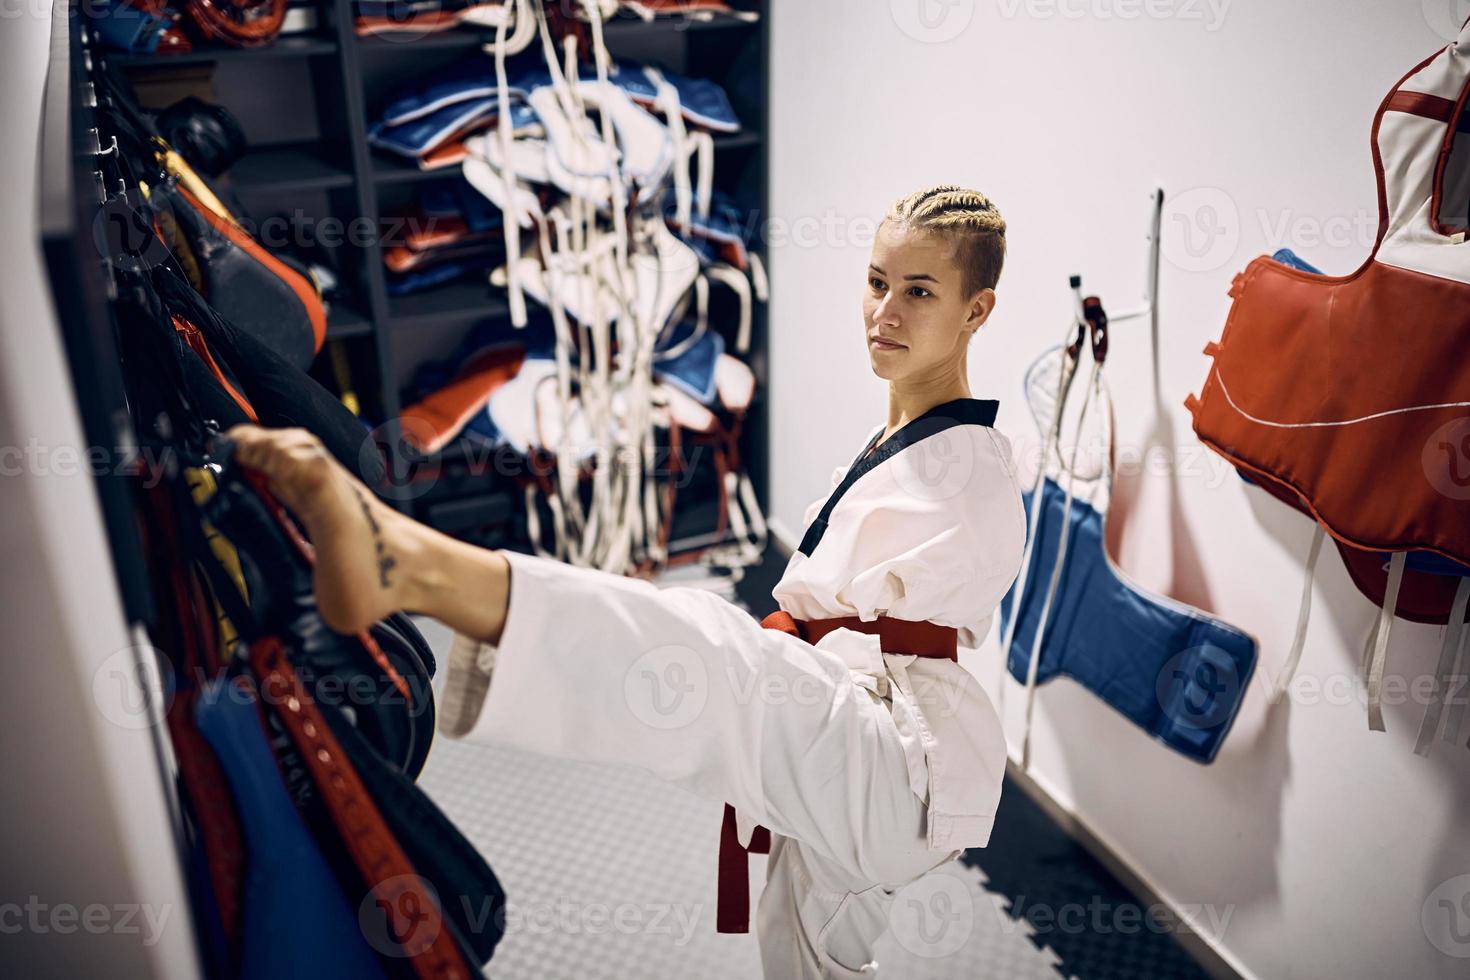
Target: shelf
[(631, 25), (470, 511), (437, 41), (289, 166), (343, 322), (396, 170), (466, 299), (480, 498), (477, 455), (300, 46), (737, 141), (622, 28)]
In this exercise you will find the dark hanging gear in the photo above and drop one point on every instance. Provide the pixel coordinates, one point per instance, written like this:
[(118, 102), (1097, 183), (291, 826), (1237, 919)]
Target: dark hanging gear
[(281, 394), (247, 285), (205, 134), (473, 900)]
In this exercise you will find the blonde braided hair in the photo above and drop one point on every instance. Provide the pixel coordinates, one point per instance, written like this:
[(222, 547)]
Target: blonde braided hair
[(968, 221)]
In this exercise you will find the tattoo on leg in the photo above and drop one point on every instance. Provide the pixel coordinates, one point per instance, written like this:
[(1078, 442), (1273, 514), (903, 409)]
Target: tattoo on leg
[(385, 560)]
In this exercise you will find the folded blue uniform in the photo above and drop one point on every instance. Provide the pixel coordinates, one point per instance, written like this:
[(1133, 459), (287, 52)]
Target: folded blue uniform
[(702, 102), (467, 81), (457, 199), (691, 370), (722, 236), (420, 136), (438, 274)]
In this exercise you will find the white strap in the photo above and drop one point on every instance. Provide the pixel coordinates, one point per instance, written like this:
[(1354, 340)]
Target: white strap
[(559, 529), (1304, 611), (1373, 669), (577, 162), (667, 102), (525, 30), (584, 272), (1056, 573), (701, 323), (732, 507), (533, 524), (504, 131), (520, 205), (1459, 689), (615, 179), (753, 513), (704, 143), (1454, 634), (758, 277), (566, 104), (701, 308), (571, 520), (734, 383), (1018, 590), (644, 145), (485, 15)]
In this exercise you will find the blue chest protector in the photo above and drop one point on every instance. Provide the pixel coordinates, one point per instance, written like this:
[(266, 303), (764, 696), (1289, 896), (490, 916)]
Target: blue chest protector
[(297, 921), (1175, 671)]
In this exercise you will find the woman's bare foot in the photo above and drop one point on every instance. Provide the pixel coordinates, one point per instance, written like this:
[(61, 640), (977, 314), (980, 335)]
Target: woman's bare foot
[(370, 559), (364, 553)]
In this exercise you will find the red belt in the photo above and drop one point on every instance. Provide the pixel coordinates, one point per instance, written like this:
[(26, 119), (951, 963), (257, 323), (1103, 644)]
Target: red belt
[(906, 636)]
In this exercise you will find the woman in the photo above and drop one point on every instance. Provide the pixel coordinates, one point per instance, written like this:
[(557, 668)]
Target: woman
[(869, 759)]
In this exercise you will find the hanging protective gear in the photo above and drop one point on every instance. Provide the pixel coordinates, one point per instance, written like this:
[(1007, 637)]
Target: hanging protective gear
[(1349, 396), (1175, 671)]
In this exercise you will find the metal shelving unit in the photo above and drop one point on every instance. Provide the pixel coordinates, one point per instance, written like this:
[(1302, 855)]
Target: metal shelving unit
[(296, 46), (311, 147)]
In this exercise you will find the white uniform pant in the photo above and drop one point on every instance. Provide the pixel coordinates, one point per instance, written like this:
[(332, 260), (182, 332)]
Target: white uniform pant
[(680, 682)]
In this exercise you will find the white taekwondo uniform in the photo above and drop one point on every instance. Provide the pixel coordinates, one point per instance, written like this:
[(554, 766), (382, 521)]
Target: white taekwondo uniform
[(868, 768)]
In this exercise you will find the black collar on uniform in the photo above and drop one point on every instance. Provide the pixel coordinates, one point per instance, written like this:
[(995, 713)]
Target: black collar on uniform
[(961, 411)]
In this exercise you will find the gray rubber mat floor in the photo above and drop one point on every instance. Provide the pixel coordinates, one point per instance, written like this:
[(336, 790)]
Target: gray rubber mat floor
[(610, 875)]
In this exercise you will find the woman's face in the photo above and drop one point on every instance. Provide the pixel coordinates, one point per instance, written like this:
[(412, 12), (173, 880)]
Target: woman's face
[(915, 298)]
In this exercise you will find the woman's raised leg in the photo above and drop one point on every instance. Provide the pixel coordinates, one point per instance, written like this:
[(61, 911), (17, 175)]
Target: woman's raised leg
[(605, 668)]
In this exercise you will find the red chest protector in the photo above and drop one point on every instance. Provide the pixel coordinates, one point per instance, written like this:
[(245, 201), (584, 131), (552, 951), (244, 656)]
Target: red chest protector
[(1349, 397)]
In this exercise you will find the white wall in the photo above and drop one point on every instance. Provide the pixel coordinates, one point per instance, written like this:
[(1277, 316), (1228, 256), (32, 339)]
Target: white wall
[(1319, 839), (90, 882)]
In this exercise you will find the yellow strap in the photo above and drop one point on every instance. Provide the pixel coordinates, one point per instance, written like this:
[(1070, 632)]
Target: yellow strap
[(201, 487), (194, 184), (344, 377)]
